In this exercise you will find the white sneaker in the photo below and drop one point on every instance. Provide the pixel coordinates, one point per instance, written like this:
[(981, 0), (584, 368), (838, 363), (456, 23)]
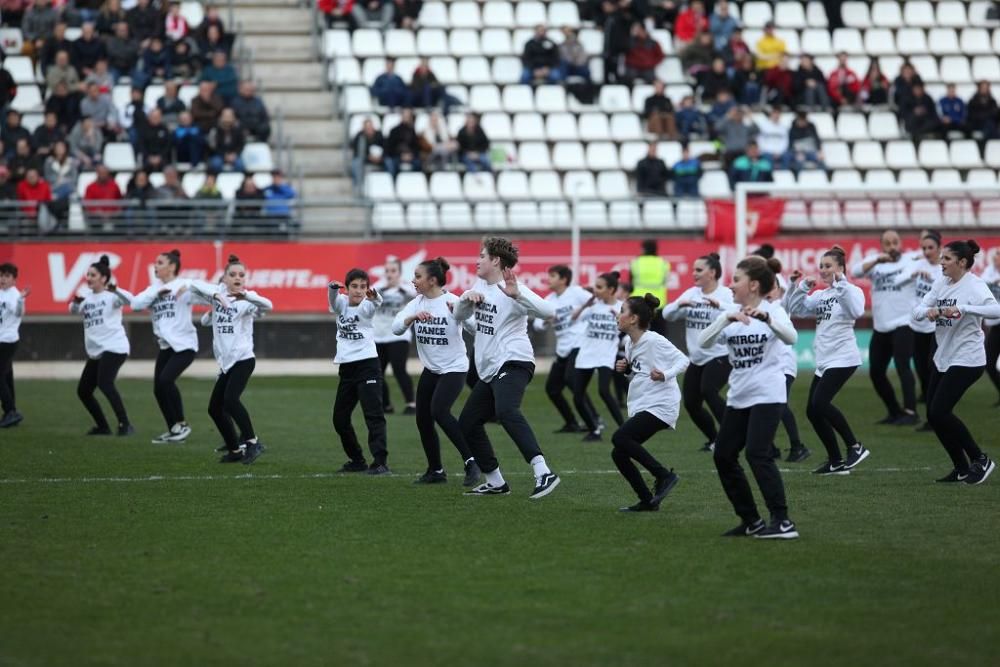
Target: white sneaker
[(162, 438), (178, 433)]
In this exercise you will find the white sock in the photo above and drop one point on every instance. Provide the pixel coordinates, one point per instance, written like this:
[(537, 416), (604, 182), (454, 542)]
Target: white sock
[(469, 460), (494, 478), (539, 466)]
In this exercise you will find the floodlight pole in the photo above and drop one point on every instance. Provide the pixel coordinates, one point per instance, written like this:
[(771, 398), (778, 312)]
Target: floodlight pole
[(741, 221)]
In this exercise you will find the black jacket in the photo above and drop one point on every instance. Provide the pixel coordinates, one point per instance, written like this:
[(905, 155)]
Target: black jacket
[(651, 176), (540, 53)]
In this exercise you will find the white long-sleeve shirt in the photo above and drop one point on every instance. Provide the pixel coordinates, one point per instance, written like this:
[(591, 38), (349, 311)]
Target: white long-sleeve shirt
[(440, 344), (836, 309), (232, 326), (961, 340), (11, 312), (568, 333), (662, 399), (912, 275), (991, 277), (891, 303), (172, 323), (102, 321), (757, 355), (394, 299), (355, 332), (501, 325), (697, 317), (599, 344)]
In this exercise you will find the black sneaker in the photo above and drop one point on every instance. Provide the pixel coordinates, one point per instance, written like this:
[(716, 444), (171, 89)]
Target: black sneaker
[(99, 430), (798, 454), (907, 419), (232, 456), (925, 428), (253, 452), (640, 506), (746, 529), (979, 470), (11, 418), (544, 485), (775, 453), (379, 469), (410, 410), (888, 419), (663, 486), (388, 409), (125, 430), (488, 489), (832, 468), (593, 436), (354, 466), (953, 477), (432, 477), (472, 474), (570, 428), (707, 447), (778, 529), (855, 455)]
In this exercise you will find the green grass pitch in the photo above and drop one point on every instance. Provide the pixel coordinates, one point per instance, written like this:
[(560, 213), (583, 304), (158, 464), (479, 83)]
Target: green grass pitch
[(120, 552)]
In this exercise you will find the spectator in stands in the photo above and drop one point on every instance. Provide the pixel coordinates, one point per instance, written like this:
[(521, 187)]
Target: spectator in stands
[(212, 20), (12, 131), (251, 112), (778, 82), (408, 13), (87, 50), (110, 16), (804, 145), (156, 144), (38, 22), (368, 146), (8, 191), (170, 104), (690, 121), (426, 91), (87, 142), (13, 11), (225, 144), (389, 88), (33, 188), (474, 145), (809, 85), (52, 45), (402, 146), (214, 40), (751, 167), (61, 171), (658, 112), (698, 55), (223, 74), (123, 52), (102, 77), (748, 82), (278, 196), (689, 24), (209, 189), (144, 22), (176, 27), (770, 48), (540, 59), (952, 110), (874, 87), (171, 189), (717, 113), (773, 136), (714, 80), (47, 134), (189, 141), (134, 117), (919, 114), (843, 85), (184, 64), (663, 13), (722, 24), (8, 88), (249, 202), (140, 189), (902, 87), (65, 105), (735, 131), (651, 174), (103, 190), (644, 54), (155, 63), (337, 11), (686, 174), (573, 59), (62, 71), (734, 49), (983, 114), (100, 108), (376, 14), (442, 146), (617, 25), (206, 107)]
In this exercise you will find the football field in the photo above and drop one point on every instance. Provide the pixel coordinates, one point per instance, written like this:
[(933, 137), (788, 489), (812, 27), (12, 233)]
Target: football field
[(119, 552)]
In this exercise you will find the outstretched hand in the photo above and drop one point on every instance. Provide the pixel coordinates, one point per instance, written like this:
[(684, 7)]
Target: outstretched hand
[(370, 293), (473, 296), (510, 286), (25, 292), (335, 285)]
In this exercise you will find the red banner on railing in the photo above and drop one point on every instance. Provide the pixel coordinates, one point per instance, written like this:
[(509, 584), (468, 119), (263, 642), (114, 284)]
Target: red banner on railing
[(763, 219)]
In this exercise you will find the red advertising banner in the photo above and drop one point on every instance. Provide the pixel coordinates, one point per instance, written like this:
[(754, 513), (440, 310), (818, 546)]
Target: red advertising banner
[(295, 275), (763, 218)]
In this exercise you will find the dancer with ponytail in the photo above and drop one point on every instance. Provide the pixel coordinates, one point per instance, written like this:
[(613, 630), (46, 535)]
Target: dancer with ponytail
[(11, 312), (653, 364), (100, 304), (798, 452), (393, 350), (957, 304), (991, 276)]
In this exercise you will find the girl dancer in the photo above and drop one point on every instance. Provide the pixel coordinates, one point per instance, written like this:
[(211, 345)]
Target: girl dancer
[(892, 338), (505, 364), (991, 276), (653, 401), (11, 312), (754, 335), (360, 373), (234, 309), (170, 302), (836, 308), (598, 349), (393, 349), (708, 373), (106, 343), (442, 351), (798, 452), (957, 304)]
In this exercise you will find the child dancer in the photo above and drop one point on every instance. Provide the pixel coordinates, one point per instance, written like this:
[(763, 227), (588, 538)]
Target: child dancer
[(393, 349), (11, 312)]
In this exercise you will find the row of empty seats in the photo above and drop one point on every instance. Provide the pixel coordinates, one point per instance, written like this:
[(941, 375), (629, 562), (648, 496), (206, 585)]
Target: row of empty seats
[(888, 14), (120, 156), (228, 183)]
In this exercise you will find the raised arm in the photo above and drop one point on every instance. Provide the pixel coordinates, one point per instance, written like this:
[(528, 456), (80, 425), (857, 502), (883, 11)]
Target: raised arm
[(146, 297), (850, 298), (984, 304), (338, 301), (122, 297), (709, 335), (782, 326), (670, 361), (262, 303), (403, 320), (534, 304)]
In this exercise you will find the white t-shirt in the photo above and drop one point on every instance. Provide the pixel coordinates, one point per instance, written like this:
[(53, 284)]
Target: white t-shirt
[(961, 340), (232, 326), (991, 277), (355, 332), (172, 323), (891, 303), (836, 309), (599, 345), (661, 399), (758, 355), (697, 317), (102, 321), (394, 299), (11, 312), (568, 333), (921, 285), (440, 345), (501, 325)]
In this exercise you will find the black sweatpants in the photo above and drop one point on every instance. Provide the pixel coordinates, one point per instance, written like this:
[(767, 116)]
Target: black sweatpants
[(225, 407), (924, 347), (500, 399), (169, 366), (943, 394), (826, 419), (896, 346), (395, 355), (627, 442), (752, 428), (436, 394), (581, 380), (561, 377), (702, 385), (101, 374), (7, 399), (788, 417), (361, 381), (992, 354)]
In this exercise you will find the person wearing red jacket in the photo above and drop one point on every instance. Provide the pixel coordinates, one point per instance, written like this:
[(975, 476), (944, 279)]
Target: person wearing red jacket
[(643, 55), (337, 10), (104, 189), (689, 23), (843, 84), (33, 188)]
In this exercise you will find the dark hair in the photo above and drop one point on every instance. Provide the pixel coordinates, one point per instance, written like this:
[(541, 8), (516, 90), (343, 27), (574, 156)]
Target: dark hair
[(610, 279), (174, 257), (649, 247), (233, 259), (712, 259), (8, 269), (966, 250), (625, 286), (932, 235), (502, 249), (103, 266), (643, 307), (756, 268), (838, 254), (356, 274), (766, 251), (437, 269), (774, 264), (563, 272)]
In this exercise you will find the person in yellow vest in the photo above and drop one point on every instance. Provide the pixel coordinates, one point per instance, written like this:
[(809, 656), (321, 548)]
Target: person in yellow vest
[(649, 273), (770, 48)]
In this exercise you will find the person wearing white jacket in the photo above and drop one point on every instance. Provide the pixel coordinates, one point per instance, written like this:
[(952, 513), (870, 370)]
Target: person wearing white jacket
[(100, 304), (991, 276), (957, 304), (393, 349), (11, 312)]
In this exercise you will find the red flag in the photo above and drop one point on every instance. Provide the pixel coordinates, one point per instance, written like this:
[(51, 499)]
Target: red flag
[(763, 218)]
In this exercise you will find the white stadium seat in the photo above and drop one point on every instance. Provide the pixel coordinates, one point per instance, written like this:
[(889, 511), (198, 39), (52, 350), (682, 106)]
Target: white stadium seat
[(400, 43), (790, 15), (388, 217), (911, 41), (479, 186), (579, 185), (550, 99), (755, 14), (412, 186), (506, 70), (490, 215), (852, 127), (964, 154), (900, 154), (848, 40), (626, 127), (856, 14), (529, 126), (658, 215), (498, 15), (879, 42), (455, 216), (594, 127), (919, 14), (614, 98), (464, 42), (484, 98), (868, 155), (563, 14), (951, 14), (518, 98), (568, 155), (886, 14), (512, 185), (528, 14), (445, 186), (602, 155), (523, 215), (561, 127), (464, 15), (434, 15), (613, 185), (422, 217), (534, 156), (496, 42), (366, 43), (432, 42), (815, 15), (942, 41), (545, 185), (975, 41)]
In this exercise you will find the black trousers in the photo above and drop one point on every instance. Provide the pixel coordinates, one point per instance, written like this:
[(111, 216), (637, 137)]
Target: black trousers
[(826, 419), (581, 380), (924, 347), (896, 346), (752, 428), (395, 355), (169, 366), (7, 399), (225, 407), (499, 399), (943, 394), (101, 374), (992, 354), (627, 442), (702, 385), (436, 394), (361, 381), (561, 377), (788, 417)]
